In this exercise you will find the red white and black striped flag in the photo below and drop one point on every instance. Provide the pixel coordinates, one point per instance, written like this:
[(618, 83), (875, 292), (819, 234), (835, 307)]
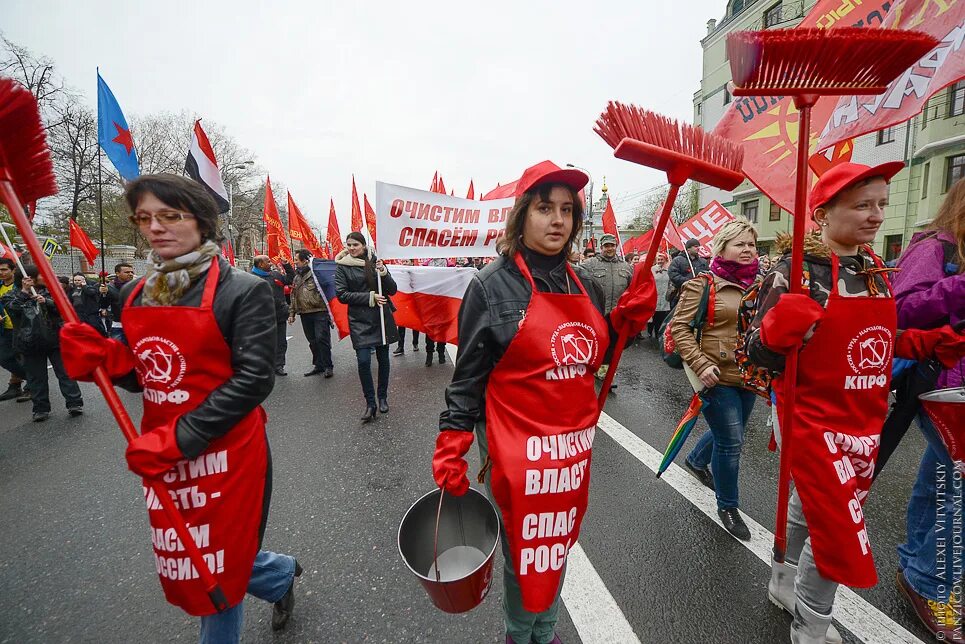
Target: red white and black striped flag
[(203, 168)]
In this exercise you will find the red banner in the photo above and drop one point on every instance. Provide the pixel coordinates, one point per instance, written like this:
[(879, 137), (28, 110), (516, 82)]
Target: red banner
[(704, 225), (300, 229), (369, 218), (278, 247), (610, 222), (767, 127), (906, 95), (357, 224), (333, 236)]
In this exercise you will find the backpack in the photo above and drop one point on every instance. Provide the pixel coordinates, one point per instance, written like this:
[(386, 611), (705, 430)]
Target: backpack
[(34, 332), (707, 301)]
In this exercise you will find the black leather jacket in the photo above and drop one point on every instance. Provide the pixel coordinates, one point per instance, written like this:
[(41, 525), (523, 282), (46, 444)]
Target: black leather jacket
[(494, 303), (245, 314)]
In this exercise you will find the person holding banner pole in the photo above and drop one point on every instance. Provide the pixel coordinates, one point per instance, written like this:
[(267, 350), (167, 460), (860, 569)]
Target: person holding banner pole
[(364, 283), (531, 335)]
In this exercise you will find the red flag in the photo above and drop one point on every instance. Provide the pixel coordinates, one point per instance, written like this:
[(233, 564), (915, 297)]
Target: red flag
[(767, 126), (906, 96), (435, 182), (6, 251), (441, 186), (369, 217), (334, 237), (278, 247), (471, 194), (80, 240), (228, 252), (357, 224), (300, 229), (501, 192), (610, 221)]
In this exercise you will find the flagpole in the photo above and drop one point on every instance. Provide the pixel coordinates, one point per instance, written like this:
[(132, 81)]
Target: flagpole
[(100, 208)]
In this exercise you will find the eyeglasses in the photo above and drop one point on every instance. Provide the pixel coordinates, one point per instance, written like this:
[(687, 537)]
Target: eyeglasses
[(165, 218)]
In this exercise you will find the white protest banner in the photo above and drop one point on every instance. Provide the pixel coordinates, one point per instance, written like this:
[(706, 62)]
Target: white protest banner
[(704, 225), (416, 224)]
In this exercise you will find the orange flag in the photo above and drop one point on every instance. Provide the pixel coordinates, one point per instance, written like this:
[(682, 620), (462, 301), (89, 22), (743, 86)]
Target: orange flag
[(278, 248), (471, 194), (369, 217), (357, 223), (334, 237), (300, 229)]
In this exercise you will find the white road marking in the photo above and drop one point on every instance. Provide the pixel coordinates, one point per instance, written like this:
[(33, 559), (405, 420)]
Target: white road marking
[(289, 337), (851, 611), (594, 612)]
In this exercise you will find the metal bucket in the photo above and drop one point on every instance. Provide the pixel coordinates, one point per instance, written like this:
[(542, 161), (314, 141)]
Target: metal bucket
[(448, 542), (946, 409)]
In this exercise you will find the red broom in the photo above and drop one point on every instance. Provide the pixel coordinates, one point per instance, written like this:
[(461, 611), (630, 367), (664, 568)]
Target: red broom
[(683, 152), (808, 64), (27, 174)]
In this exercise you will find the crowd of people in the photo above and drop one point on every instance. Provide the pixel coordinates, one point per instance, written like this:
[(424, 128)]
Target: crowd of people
[(509, 384)]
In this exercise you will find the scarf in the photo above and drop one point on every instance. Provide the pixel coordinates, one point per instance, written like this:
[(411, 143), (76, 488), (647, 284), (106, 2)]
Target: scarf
[(260, 272), (742, 274), (168, 279)]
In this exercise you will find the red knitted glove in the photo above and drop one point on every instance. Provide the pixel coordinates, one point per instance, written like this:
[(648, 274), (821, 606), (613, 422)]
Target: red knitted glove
[(83, 349), (785, 325), (152, 454), (637, 304), (449, 464), (943, 344)]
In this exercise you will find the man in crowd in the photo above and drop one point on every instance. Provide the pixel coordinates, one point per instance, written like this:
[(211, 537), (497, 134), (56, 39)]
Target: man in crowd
[(8, 357), (685, 266), (307, 302), (278, 281), (123, 273), (609, 272)]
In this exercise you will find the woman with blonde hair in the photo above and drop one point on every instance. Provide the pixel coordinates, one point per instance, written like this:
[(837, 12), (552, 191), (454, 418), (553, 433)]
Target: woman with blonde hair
[(708, 355)]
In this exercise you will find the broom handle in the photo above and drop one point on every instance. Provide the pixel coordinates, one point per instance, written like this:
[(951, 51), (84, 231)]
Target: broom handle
[(677, 178), (804, 104), (9, 197)]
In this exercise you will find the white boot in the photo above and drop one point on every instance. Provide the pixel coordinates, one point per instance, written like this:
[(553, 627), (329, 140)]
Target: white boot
[(780, 590), (809, 627)]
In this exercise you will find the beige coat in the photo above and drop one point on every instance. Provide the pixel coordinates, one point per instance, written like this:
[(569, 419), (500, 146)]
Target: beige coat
[(718, 342)]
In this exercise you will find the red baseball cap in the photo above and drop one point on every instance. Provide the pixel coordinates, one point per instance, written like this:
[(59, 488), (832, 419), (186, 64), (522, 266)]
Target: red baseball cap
[(844, 175), (549, 172)]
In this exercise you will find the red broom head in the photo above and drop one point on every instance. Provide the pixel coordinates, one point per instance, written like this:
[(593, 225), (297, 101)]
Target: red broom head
[(24, 157), (822, 62), (683, 150)]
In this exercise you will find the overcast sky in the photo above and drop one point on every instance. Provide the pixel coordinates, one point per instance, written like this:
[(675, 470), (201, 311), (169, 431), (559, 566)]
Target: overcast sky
[(390, 91)]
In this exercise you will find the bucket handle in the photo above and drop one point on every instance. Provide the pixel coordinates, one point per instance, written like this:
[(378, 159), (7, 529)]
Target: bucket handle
[(435, 540)]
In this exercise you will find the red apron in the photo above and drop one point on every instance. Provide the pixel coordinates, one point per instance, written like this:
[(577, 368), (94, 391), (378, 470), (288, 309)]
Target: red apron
[(541, 414), (181, 357), (844, 373)]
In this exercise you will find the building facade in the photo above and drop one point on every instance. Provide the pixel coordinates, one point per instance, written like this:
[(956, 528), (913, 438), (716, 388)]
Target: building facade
[(932, 144)]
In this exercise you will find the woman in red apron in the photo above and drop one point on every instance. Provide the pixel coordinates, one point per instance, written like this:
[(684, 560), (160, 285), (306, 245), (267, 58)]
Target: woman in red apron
[(848, 325), (531, 336), (200, 333)]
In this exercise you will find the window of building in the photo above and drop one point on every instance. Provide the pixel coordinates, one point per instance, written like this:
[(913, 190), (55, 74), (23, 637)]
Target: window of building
[(698, 108), (775, 213), (886, 135), (749, 211), (956, 99), (924, 180), (772, 16), (737, 7), (954, 170), (892, 247)]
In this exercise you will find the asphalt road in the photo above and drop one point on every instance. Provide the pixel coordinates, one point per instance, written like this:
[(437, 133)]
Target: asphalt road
[(77, 566)]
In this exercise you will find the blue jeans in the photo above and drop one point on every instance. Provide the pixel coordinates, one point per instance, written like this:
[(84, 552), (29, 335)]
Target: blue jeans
[(271, 577), (726, 410), (364, 357), (932, 525)]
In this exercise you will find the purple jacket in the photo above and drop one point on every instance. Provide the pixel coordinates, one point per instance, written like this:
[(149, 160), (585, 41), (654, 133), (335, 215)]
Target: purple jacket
[(926, 297)]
